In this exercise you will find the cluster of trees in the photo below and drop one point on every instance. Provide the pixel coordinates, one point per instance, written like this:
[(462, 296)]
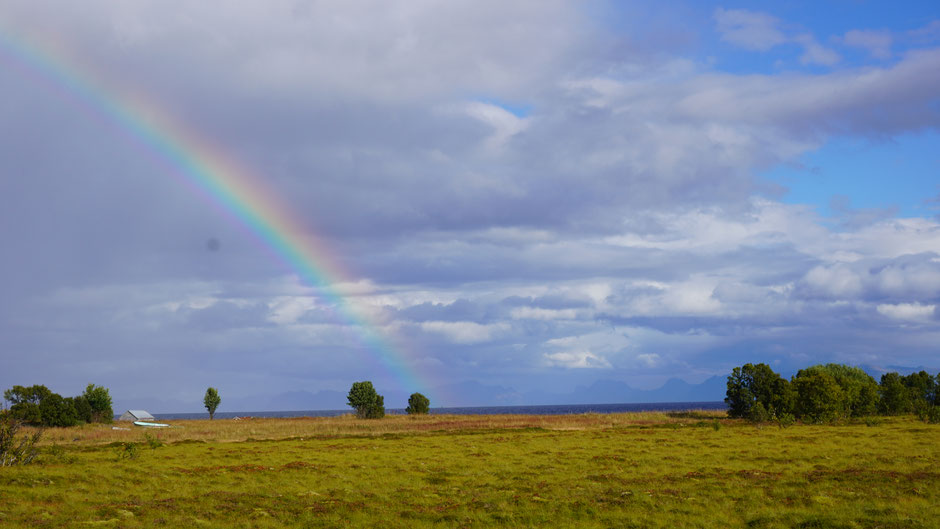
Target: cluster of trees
[(38, 405), (824, 393), (369, 404)]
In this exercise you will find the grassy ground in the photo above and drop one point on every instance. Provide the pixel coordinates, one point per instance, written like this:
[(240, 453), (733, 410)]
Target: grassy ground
[(621, 470)]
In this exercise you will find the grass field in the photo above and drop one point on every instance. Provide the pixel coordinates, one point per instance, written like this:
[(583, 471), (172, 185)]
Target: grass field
[(592, 470)]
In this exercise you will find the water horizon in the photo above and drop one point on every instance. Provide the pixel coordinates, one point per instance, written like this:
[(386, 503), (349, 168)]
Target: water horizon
[(540, 409)]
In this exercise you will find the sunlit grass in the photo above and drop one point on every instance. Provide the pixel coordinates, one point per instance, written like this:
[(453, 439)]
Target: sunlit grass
[(592, 470)]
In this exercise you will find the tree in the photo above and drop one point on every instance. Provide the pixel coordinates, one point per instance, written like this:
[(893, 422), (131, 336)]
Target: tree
[(24, 402), (818, 397), (895, 396), (366, 401), (757, 383), (212, 400), (99, 400), (921, 385), (418, 404), (58, 411), (859, 389)]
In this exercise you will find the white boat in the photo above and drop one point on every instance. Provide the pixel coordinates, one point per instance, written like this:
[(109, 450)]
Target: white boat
[(151, 424)]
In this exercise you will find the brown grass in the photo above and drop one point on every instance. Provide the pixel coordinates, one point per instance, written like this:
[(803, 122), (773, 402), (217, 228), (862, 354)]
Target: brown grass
[(230, 430)]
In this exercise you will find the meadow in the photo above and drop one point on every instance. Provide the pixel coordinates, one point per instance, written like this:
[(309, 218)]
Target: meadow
[(693, 469)]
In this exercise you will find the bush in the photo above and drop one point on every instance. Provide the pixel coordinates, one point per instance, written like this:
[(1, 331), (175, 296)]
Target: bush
[(758, 413), (785, 420), (418, 404), (929, 413), (15, 451), (366, 401)]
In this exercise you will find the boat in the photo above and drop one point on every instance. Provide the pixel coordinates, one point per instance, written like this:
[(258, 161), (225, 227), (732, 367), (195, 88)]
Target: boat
[(151, 424)]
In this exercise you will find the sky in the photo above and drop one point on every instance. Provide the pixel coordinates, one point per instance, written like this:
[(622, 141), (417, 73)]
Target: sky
[(535, 195)]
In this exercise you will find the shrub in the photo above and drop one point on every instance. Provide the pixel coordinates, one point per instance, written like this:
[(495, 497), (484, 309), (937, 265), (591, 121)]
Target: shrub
[(13, 450), (929, 413), (785, 420), (758, 413), (128, 451), (366, 401), (153, 441), (418, 404)]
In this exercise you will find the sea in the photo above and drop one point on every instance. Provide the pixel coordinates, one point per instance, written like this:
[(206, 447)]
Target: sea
[(547, 409)]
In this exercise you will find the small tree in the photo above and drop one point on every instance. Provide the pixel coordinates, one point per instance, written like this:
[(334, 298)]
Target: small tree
[(212, 400), (751, 384), (418, 404), (366, 401), (99, 400)]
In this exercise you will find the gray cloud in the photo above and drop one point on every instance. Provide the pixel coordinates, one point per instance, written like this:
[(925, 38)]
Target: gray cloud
[(617, 225)]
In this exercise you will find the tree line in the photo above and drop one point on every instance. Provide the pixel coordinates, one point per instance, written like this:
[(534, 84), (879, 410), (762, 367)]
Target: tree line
[(38, 405), (829, 392)]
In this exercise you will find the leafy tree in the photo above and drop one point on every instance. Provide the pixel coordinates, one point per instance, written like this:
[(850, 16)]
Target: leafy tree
[(99, 400), (819, 398), (895, 396), (24, 402), (859, 389), (58, 411), (212, 401), (366, 401), (757, 383), (418, 404), (82, 409), (921, 385)]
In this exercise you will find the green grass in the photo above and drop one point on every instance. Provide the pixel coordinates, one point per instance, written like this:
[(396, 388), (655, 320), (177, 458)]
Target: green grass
[(584, 471)]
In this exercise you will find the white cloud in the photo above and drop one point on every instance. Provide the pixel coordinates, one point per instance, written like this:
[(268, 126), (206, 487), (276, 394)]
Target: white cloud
[(749, 29), (465, 332), (576, 360), (908, 311), (535, 313), (877, 43), (648, 359), (816, 53)]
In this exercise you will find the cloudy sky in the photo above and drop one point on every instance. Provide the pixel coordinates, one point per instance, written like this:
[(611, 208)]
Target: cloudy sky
[(537, 194)]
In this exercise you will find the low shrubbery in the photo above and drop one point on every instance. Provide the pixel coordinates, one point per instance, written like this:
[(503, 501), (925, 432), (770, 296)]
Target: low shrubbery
[(39, 406), (14, 449), (825, 393)]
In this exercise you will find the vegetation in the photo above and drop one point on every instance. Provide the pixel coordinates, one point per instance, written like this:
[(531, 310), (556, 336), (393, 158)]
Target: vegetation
[(37, 405), (99, 404), (212, 401), (591, 470), (366, 401), (15, 450), (418, 404), (830, 392)]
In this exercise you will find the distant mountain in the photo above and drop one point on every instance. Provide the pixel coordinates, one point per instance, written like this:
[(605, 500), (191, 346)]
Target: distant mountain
[(462, 394), (599, 392)]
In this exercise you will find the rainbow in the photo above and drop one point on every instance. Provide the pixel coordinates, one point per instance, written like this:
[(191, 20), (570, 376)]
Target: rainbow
[(222, 181)]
